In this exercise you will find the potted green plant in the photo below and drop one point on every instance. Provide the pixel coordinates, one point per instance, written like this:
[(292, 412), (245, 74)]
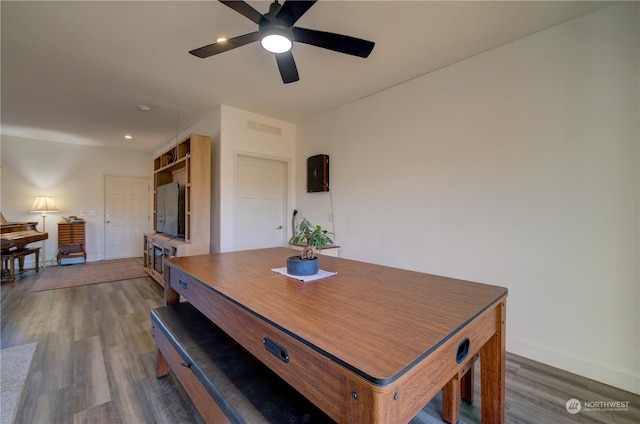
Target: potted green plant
[(315, 238)]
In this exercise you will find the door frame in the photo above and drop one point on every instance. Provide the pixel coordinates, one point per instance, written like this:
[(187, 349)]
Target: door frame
[(286, 170), (104, 204)]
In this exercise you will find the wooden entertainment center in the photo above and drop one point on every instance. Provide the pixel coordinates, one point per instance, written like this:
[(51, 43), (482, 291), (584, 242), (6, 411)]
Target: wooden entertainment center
[(188, 163)]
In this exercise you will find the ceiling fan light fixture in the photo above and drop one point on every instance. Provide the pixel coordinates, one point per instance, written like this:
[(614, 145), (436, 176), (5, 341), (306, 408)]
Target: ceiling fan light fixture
[(277, 32), (277, 41)]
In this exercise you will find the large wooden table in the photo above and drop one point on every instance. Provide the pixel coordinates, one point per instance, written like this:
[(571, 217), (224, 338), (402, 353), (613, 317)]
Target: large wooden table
[(372, 344)]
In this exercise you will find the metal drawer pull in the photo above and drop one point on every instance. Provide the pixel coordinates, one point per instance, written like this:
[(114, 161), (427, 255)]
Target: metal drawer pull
[(182, 284), (185, 365), (463, 350), (276, 349)]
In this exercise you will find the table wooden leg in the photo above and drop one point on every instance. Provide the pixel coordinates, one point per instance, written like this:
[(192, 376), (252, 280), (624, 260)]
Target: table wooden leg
[(451, 401), (461, 386), (467, 382), (171, 297), (162, 366), (492, 371)]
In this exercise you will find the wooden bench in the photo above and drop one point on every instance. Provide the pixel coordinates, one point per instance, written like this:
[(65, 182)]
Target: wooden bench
[(9, 258), (226, 383), (229, 385)]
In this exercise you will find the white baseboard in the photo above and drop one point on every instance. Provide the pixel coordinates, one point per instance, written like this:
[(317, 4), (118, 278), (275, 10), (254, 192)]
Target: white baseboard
[(612, 375)]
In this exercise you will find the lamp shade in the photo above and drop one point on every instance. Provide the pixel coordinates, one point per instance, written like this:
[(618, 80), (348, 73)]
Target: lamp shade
[(44, 204)]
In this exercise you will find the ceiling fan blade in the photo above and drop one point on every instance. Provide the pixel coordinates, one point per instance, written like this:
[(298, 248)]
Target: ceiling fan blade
[(336, 42), (227, 45), (292, 10), (287, 66), (244, 9)]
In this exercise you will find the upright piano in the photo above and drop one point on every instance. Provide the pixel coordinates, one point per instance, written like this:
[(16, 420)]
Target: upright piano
[(15, 236)]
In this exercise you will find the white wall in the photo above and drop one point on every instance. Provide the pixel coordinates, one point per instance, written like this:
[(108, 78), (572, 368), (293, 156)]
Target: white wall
[(72, 175), (518, 167), (231, 136), (238, 139)]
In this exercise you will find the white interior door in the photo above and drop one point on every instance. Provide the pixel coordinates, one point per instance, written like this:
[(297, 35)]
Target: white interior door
[(260, 203), (126, 218)]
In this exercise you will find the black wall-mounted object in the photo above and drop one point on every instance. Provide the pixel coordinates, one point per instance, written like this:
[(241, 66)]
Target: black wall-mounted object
[(318, 173)]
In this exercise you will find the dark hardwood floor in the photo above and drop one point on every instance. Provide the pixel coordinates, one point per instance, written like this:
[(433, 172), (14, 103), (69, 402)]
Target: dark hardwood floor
[(95, 363)]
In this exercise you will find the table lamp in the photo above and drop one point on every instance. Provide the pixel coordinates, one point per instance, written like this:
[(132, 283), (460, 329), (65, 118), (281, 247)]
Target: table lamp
[(44, 204)]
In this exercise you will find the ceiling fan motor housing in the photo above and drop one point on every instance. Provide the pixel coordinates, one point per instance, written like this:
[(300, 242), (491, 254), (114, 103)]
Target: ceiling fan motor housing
[(275, 28)]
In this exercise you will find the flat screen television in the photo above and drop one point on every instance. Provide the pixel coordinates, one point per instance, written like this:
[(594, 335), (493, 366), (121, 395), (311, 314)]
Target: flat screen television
[(169, 216)]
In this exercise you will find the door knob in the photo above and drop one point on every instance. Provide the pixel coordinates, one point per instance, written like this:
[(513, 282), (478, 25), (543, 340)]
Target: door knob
[(279, 227)]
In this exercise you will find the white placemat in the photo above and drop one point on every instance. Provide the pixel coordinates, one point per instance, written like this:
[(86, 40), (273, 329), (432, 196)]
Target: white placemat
[(305, 278)]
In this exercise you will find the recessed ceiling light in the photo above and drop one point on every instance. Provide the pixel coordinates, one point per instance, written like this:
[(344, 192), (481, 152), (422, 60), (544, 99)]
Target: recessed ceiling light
[(144, 108), (128, 137)]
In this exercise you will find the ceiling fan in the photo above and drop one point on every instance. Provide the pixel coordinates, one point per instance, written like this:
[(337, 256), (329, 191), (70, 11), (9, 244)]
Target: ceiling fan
[(276, 33)]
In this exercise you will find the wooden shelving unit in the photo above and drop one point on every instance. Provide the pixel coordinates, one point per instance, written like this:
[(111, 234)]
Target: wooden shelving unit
[(188, 162)]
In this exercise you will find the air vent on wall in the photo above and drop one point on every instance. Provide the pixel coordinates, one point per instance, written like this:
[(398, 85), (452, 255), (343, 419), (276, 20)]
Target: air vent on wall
[(266, 128)]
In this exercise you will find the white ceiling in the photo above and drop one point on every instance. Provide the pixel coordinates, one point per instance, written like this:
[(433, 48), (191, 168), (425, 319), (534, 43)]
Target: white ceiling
[(77, 71)]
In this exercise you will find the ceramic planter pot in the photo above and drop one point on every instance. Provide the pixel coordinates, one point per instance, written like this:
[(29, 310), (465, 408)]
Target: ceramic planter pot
[(297, 266)]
